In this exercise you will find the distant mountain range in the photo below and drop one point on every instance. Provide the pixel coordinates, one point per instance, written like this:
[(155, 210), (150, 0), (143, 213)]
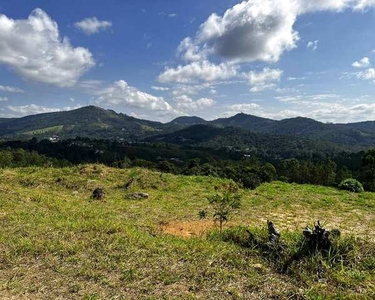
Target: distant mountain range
[(96, 122)]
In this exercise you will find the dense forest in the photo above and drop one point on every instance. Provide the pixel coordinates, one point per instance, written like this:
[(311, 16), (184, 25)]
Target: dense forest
[(248, 170)]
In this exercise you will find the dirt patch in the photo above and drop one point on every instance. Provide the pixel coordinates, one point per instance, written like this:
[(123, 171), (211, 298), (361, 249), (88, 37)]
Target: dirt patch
[(188, 229)]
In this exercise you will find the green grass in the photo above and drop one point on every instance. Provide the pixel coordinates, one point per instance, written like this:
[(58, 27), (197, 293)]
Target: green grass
[(56, 242), (52, 129)]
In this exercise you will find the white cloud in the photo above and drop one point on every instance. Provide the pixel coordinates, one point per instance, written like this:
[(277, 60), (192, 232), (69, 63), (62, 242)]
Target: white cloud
[(306, 98), (368, 74), (364, 4), (296, 78), (190, 51), (186, 104), (160, 88), (324, 107), (121, 93), (172, 15), (10, 89), (258, 29), (253, 30), (244, 107), (337, 113), (189, 89), (34, 49), (204, 71), (90, 85), (138, 116), (312, 45), (3, 99), (31, 109), (266, 79), (92, 25), (249, 31), (363, 63)]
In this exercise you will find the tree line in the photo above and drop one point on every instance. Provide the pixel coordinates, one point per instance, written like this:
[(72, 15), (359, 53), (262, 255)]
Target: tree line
[(250, 172)]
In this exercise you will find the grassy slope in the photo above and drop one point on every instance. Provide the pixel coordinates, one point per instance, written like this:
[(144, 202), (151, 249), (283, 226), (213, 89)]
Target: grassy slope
[(55, 242)]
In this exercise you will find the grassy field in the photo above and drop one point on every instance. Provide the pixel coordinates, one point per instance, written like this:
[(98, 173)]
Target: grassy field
[(57, 243), (52, 129)]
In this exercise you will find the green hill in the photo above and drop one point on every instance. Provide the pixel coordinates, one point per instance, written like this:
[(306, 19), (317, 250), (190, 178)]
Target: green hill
[(56, 242), (89, 121), (97, 123)]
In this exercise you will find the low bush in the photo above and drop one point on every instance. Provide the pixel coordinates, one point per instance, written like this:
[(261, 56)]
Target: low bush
[(351, 185)]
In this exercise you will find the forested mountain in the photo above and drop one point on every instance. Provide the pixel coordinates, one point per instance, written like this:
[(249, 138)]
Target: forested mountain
[(259, 144), (3, 120), (187, 121), (95, 122), (89, 121), (244, 121)]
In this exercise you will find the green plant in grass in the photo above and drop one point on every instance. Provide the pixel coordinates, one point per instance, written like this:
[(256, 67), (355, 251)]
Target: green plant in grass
[(224, 205)]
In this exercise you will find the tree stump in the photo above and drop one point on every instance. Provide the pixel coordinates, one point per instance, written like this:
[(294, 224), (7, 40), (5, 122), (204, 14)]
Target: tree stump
[(129, 183), (318, 239), (273, 232)]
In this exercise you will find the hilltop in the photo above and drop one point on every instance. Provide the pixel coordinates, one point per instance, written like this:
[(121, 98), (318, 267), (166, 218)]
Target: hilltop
[(89, 121), (98, 123), (57, 242)]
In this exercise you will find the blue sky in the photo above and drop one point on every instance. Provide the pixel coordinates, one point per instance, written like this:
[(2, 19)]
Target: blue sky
[(159, 59)]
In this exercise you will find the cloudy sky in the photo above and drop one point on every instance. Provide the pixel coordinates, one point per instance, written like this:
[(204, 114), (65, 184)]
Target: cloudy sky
[(159, 59)]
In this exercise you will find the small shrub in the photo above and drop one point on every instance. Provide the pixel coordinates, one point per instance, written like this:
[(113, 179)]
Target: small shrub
[(351, 185), (224, 206)]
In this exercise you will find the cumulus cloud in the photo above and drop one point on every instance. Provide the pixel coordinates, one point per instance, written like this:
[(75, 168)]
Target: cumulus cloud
[(186, 104), (92, 25), (266, 79), (258, 29), (10, 89), (253, 30), (34, 49), (204, 71), (189, 50), (250, 31), (312, 45), (363, 63), (122, 93)]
